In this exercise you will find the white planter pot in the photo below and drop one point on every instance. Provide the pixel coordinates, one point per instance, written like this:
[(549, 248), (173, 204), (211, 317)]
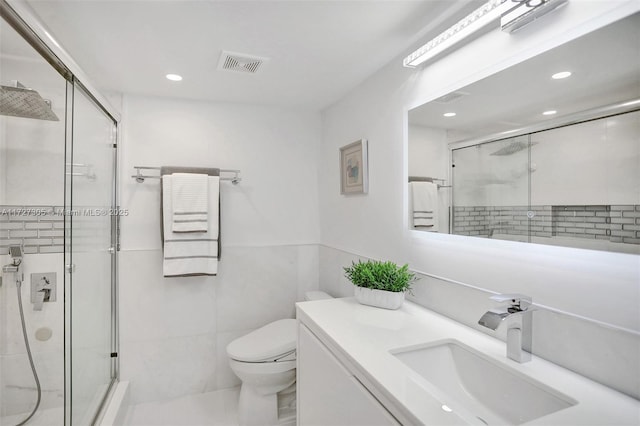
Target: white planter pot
[(379, 298)]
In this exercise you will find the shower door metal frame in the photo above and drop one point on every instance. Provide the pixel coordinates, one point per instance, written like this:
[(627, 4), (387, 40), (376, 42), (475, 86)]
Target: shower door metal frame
[(556, 123), (113, 250)]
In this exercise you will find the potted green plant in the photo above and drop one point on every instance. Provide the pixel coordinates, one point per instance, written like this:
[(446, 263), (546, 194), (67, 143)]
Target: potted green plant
[(380, 284)]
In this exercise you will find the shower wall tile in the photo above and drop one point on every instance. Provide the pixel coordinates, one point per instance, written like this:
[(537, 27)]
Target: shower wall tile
[(51, 316), (39, 229), (19, 389)]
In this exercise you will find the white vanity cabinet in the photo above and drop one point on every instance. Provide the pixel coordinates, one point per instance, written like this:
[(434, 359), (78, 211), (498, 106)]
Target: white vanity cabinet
[(328, 393)]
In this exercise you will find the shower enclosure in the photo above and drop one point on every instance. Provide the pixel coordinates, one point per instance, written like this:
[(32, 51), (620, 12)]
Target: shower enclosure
[(58, 156), (575, 185)]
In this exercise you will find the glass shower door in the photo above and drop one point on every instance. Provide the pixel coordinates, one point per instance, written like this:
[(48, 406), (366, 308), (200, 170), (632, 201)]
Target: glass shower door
[(491, 189), (91, 260)]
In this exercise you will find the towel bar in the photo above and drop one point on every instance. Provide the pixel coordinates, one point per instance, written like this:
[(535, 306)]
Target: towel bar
[(429, 179), (140, 177)]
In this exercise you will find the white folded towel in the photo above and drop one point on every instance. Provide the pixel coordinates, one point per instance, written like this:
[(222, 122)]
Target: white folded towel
[(190, 201), (424, 209), (194, 253)]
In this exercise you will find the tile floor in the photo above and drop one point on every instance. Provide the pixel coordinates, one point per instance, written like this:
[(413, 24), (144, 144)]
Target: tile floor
[(217, 408)]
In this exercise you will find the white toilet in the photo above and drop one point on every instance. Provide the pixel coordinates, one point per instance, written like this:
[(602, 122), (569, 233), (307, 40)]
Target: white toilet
[(265, 361)]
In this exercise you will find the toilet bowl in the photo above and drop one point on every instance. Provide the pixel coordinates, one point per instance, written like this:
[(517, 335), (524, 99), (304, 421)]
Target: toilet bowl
[(265, 362)]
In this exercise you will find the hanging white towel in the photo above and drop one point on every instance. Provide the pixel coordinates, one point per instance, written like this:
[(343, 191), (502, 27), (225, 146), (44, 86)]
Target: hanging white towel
[(193, 253), (424, 206), (190, 201)]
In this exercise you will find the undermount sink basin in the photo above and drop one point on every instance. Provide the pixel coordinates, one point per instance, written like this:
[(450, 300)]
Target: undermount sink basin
[(486, 389)]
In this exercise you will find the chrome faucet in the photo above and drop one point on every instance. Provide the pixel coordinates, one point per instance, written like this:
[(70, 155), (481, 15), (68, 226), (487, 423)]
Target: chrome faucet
[(517, 315)]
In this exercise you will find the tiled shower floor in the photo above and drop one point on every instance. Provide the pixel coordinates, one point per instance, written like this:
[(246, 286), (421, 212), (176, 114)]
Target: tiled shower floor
[(48, 417)]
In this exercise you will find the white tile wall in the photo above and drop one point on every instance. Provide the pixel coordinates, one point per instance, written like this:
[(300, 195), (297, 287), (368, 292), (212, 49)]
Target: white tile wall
[(174, 331)]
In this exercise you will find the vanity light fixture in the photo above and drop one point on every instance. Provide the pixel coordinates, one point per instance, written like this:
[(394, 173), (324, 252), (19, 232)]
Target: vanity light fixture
[(174, 77), (526, 12), (449, 114), (470, 24), (550, 112), (560, 75), (513, 15)]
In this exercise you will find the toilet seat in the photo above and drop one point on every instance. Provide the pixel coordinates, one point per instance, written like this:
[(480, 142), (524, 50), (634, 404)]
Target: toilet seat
[(272, 343)]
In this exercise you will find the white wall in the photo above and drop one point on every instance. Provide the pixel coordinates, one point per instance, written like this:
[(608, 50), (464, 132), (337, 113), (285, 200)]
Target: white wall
[(598, 285), (174, 331), (429, 152), (591, 163)]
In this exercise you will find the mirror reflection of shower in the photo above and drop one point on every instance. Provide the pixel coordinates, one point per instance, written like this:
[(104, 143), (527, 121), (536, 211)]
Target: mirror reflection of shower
[(576, 185)]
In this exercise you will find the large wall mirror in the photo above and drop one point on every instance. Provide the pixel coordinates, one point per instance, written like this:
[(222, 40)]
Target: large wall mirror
[(547, 151)]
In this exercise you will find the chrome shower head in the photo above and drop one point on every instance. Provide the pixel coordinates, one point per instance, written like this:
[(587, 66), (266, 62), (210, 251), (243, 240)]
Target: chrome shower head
[(513, 147), (19, 101), (16, 259), (15, 252)]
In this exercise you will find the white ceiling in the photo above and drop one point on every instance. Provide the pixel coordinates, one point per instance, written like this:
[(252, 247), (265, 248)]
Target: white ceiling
[(318, 50)]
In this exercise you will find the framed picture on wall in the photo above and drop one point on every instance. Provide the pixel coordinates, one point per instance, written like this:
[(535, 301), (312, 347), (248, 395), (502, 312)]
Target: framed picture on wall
[(354, 168)]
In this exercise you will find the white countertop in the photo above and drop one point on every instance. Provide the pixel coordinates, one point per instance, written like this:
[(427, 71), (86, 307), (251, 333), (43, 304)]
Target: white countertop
[(362, 336)]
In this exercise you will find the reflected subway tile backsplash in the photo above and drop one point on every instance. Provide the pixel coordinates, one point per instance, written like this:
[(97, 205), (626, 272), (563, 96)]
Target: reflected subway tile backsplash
[(614, 223)]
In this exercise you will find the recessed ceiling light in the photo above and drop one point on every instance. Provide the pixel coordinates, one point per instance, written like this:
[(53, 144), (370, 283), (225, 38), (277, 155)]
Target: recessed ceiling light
[(449, 114), (174, 77), (550, 112), (561, 75)]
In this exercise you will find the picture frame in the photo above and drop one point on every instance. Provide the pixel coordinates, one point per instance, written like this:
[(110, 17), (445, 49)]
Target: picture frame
[(354, 168)]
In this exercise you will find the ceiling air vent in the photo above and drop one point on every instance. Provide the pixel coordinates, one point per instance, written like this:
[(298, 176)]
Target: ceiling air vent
[(450, 97), (240, 62)]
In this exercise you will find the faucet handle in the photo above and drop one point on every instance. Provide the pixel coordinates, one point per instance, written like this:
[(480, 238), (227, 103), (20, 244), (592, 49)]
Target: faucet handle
[(519, 301)]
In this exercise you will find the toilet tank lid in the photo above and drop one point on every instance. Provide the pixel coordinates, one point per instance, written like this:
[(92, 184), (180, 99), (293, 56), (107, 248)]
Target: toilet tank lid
[(266, 343), (317, 295)]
